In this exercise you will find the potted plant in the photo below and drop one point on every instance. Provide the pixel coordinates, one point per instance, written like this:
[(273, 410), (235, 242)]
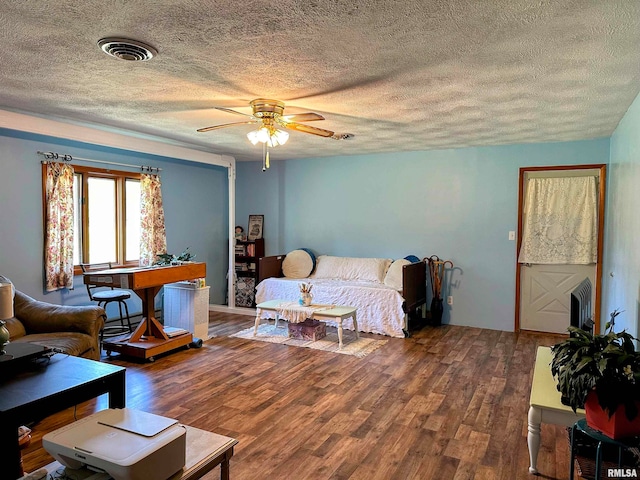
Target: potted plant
[(601, 373), (165, 259)]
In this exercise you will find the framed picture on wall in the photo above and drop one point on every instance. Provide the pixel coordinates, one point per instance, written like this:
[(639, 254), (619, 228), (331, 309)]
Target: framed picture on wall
[(256, 224)]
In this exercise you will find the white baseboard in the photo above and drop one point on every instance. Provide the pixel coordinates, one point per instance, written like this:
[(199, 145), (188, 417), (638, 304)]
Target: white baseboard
[(232, 310)]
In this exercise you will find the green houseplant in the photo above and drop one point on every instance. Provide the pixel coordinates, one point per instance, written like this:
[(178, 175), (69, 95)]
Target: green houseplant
[(599, 372), (169, 259)]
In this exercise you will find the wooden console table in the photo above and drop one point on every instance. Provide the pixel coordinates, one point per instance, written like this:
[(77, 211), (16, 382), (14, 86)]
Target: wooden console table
[(149, 339), (545, 405), (205, 451)]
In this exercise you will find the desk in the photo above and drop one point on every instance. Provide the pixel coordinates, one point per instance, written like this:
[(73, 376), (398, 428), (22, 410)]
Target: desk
[(205, 451), (149, 339), (40, 390), (545, 405), (333, 313)]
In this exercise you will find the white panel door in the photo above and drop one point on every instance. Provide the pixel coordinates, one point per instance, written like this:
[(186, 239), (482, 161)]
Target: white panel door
[(545, 302), (545, 290)]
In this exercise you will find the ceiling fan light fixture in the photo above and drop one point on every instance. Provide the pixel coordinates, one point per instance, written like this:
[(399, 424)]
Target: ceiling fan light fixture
[(253, 136), (271, 136), (279, 137)]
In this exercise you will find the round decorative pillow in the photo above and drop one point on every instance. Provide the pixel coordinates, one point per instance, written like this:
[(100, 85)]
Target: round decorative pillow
[(298, 263)]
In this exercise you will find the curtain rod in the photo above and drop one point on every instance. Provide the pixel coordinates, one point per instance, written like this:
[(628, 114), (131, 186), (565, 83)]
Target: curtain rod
[(69, 158)]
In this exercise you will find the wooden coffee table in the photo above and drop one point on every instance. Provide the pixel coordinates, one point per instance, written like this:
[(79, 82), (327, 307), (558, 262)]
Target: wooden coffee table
[(37, 391), (330, 312)]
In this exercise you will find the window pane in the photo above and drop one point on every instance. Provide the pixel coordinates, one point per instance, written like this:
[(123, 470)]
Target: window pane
[(102, 220), (77, 215), (132, 216)]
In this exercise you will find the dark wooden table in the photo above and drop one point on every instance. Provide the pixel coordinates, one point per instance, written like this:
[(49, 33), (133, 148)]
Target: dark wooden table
[(40, 389)]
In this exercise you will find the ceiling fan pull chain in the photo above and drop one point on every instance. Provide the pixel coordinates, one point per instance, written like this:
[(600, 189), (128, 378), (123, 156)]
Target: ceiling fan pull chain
[(267, 164), (264, 157)]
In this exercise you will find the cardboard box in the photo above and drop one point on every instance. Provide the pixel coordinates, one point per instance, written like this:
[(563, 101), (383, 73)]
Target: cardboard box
[(308, 330)]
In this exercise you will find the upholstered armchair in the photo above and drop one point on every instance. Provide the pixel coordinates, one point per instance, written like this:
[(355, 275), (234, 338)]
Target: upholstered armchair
[(71, 329)]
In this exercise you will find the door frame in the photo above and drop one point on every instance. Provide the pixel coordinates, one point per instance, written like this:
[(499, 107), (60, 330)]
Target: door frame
[(602, 183)]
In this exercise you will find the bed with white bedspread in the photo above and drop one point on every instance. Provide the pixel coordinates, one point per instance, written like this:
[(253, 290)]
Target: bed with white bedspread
[(384, 292)]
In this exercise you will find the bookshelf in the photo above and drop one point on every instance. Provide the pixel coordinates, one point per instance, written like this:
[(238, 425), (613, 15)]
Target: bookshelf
[(247, 253)]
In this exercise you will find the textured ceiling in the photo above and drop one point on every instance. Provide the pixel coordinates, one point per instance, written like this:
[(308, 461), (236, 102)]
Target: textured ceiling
[(400, 75)]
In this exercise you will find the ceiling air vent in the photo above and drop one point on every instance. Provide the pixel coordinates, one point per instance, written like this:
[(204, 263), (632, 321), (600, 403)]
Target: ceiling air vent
[(126, 49)]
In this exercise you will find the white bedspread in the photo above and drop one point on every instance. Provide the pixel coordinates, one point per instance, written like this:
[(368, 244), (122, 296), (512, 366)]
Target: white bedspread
[(379, 306)]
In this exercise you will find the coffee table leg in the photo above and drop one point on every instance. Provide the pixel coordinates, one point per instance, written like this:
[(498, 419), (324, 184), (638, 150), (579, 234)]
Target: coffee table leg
[(117, 391), (533, 437), (355, 325), (340, 333), (255, 328), (10, 449)]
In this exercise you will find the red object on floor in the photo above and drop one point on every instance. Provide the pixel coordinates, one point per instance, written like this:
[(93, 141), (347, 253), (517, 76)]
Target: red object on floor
[(616, 427)]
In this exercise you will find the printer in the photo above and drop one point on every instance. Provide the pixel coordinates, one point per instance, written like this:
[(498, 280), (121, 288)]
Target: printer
[(127, 444)]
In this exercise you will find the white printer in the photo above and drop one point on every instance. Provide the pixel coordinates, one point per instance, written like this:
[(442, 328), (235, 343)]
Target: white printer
[(125, 443)]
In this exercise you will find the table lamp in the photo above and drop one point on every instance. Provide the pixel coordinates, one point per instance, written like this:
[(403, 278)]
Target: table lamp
[(6, 312)]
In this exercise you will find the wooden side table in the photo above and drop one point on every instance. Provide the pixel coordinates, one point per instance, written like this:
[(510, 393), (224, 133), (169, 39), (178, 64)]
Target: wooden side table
[(205, 451)]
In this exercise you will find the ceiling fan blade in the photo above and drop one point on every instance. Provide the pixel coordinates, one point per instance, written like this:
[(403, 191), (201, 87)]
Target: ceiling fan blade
[(228, 110), (300, 127), (302, 117), (224, 125)]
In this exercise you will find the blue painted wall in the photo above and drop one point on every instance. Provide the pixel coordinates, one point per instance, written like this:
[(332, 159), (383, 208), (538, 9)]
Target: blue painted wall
[(458, 204), (621, 278), (195, 200)]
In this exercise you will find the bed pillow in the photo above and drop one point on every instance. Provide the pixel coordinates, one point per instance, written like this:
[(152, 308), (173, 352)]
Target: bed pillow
[(298, 263), (347, 268), (393, 278)]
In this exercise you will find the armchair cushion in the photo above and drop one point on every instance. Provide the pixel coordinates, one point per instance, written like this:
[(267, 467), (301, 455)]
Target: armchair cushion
[(72, 329), (15, 327), (76, 344)]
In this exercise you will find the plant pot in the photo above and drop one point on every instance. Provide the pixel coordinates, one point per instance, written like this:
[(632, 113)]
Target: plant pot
[(617, 426)]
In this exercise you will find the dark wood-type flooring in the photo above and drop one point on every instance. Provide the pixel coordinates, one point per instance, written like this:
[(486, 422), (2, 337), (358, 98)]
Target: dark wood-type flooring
[(447, 403)]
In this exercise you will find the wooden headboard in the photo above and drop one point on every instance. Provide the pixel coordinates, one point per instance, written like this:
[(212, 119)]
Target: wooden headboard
[(270, 267)]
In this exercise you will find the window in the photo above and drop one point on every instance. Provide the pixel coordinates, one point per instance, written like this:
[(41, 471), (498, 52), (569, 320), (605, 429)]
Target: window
[(106, 216)]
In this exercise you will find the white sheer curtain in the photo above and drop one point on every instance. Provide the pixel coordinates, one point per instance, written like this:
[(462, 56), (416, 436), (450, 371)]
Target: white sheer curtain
[(560, 221)]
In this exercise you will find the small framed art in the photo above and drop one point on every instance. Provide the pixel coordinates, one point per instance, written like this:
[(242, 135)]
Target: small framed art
[(256, 224)]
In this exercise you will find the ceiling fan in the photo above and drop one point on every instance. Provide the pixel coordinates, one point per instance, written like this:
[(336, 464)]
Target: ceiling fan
[(269, 115)]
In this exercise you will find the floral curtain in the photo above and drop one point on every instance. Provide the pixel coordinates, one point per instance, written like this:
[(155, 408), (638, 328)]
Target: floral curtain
[(58, 252), (560, 221), (153, 238)]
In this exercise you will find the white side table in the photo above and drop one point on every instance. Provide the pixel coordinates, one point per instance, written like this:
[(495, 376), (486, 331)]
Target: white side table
[(545, 405)]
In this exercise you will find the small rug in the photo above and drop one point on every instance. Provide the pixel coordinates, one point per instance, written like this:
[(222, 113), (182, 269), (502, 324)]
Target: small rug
[(360, 347)]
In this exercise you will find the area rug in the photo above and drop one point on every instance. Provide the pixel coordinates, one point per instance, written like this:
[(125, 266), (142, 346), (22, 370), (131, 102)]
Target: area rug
[(360, 347)]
